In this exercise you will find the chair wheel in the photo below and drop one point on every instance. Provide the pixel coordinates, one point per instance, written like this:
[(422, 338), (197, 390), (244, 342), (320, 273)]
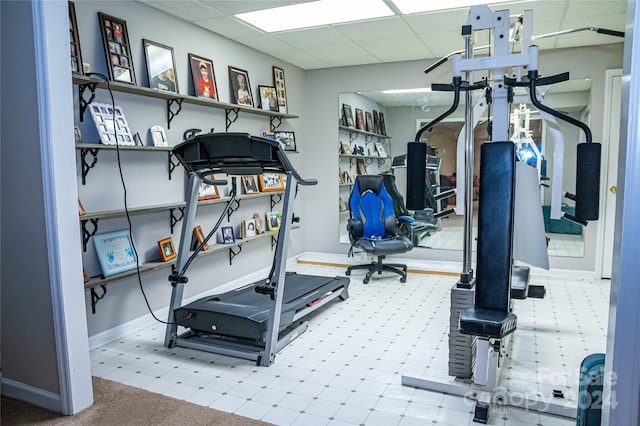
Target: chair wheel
[(365, 281), (403, 280), (348, 272)]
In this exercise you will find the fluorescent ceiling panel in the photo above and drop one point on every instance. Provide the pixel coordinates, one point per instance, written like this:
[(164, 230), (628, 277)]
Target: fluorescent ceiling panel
[(416, 6), (416, 90), (314, 14)]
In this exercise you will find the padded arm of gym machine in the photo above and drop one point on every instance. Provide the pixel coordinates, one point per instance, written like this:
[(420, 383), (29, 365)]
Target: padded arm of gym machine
[(234, 154)]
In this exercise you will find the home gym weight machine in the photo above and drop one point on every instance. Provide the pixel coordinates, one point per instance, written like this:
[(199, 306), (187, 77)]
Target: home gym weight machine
[(481, 317), (257, 320)]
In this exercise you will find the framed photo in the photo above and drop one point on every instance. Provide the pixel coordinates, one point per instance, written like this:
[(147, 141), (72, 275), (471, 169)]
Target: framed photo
[(204, 77), (268, 100), (270, 182), (359, 119), (281, 90), (361, 168), (345, 149), (376, 122), (167, 251), (382, 130), (240, 87), (207, 192), (259, 223), (287, 139), (228, 237), (115, 40), (249, 184), (111, 124), (77, 134), (158, 136), (347, 112), (273, 221), (199, 238), (115, 252), (74, 41), (368, 121), (81, 210), (161, 66), (248, 228), (380, 149)]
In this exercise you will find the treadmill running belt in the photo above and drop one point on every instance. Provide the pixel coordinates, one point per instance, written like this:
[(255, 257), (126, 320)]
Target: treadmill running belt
[(243, 313)]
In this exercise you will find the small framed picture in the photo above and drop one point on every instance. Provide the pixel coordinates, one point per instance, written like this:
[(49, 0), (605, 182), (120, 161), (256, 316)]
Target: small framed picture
[(287, 139), (77, 134), (268, 100), (270, 182), (115, 252), (240, 87), (281, 90), (115, 39), (204, 78), (198, 235), (207, 192), (347, 112), (368, 119), (167, 251), (380, 149), (249, 184), (74, 40), (81, 210), (376, 122), (161, 66), (359, 119), (248, 228), (382, 130), (158, 136), (227, 235), (273, 221)]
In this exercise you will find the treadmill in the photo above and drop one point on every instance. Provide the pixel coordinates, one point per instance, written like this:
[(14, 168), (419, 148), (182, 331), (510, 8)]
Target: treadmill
[(257, 320)]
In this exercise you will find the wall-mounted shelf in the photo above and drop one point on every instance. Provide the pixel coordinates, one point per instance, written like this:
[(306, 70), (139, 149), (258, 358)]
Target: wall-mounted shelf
[(174, 101), (355, 133)]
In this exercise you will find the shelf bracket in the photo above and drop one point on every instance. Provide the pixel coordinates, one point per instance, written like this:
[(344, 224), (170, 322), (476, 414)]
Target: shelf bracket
[(172, 164), (275, 122), (170, 113), (233, 253), (86, 233), (275, 201), (95, 297), (231, 116), (368, 138), (235, 206), (274, 241), (353, 136), (85, 165), (84, 103), (174, 219), (368, 161)]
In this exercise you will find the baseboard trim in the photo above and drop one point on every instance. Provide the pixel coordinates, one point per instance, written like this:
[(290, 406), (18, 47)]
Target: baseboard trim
[(32, 395)]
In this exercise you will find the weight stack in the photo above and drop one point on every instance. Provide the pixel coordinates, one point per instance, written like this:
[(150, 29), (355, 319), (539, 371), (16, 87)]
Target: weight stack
[(461, 346)]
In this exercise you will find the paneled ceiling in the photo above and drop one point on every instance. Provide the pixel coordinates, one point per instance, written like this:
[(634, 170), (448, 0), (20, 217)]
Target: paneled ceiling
[(397, 38)]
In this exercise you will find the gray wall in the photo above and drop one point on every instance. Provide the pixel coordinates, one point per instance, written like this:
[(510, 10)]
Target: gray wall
[(321, 133)]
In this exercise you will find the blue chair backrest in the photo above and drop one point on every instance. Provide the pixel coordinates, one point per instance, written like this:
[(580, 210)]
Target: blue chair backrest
[(372, 204)]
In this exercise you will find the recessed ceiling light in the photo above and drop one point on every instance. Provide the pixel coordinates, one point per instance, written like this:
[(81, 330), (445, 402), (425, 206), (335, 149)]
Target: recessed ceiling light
[(415, 6), (314, 14)]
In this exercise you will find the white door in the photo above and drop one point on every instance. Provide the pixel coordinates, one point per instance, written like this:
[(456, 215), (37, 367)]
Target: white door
[(612, 136)]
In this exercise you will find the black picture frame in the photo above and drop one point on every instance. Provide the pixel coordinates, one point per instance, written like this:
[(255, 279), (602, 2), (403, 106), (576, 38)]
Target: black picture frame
[(382, 130), (368, 118), (281, 89), (161, 66), (201, 70), (347, 114), (240, 95), (117, 49), (376, 122), (268, 98), (287, 139), (74, 42), (360, 119), (228, 236)]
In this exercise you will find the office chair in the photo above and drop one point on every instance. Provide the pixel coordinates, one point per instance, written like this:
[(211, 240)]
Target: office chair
[(373, 226), (422, 224)]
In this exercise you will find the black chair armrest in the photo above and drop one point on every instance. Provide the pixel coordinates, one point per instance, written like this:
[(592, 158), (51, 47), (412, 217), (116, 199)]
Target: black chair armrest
[(355, 227)]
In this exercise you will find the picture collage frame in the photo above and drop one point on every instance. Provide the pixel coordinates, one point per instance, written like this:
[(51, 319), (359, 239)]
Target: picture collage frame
[(111, 125), (117, 49)]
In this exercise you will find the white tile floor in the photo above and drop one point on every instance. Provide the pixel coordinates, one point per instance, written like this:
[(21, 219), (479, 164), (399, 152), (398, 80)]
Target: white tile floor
[(346, 369)]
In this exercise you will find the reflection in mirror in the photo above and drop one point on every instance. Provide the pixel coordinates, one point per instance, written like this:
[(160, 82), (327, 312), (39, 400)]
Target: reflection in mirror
[(406, 111)]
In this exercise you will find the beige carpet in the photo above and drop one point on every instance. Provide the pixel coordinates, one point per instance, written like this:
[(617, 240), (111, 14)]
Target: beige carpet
[(118, 404)]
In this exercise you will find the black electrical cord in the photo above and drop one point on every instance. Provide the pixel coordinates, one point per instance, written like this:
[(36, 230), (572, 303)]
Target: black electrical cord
[(124, 188)]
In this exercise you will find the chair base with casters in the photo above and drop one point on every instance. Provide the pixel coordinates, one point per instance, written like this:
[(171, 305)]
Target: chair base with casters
[(378, 266)]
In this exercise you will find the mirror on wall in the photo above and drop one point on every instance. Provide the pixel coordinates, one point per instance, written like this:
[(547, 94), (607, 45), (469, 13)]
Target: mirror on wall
[(406, 110)]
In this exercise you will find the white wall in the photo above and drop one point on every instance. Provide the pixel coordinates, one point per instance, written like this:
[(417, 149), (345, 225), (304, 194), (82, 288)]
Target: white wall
[(321, 133)]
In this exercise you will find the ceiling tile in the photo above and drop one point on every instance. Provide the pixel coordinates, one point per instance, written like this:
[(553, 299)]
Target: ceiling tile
[(312, 37), (408, 55), (375, 29), (234, 7), (433, 23), (393, 44), (293, 55), (353, 60), (229, 27), (578, 9), (264, 43), (187, 10), (334, 51)]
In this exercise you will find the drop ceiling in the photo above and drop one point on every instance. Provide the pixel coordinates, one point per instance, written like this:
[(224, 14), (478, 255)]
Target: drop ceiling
[(397, 38)]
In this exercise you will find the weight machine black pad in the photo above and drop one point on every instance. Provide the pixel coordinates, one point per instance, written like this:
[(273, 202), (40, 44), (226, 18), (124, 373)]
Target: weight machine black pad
[(416, 175), (519, 282), (487, 323), (495, 226), (588, 181), (244, 314)]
